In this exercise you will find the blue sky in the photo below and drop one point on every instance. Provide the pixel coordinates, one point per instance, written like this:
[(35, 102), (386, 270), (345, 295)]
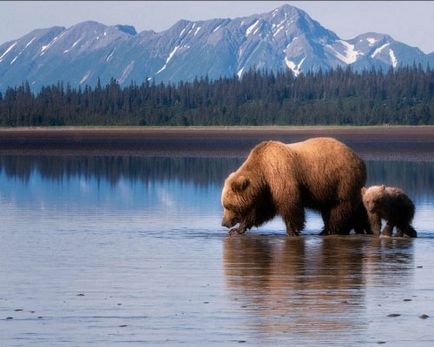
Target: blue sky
[(411, 22)]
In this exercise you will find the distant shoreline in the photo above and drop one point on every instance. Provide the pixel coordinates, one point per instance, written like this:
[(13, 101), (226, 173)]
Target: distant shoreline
[(371, 142)]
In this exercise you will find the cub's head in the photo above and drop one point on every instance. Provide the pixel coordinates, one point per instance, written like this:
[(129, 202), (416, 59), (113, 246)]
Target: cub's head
[(372, 197), (236, 199)]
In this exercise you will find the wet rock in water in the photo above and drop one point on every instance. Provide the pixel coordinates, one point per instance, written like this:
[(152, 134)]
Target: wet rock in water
[(9, 318), (381, 342), (119, 304), (123, 326), (394, 315), (81, 294), (40, 317), (242, 341), (420, 267), (32, 311), (18, 309), (407, 300), (423, 316), (206, 302)]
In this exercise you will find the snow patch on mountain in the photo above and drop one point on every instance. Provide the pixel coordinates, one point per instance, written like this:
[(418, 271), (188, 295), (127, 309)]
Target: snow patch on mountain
[(379, 49), (393, 59), (278, 30), (251, 28), (295, 68), (371, 41), (171, 54), (73, 45), (240, 72), (126, 72), (13, 60), (7, 51), (182, 31), (30, 42), (53, 41), (350, 55), (217, 28), (109, 57), (85, 77)]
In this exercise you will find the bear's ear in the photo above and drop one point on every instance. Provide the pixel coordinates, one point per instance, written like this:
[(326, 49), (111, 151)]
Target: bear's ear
[(240, 183), (363, 190), (382, 187)]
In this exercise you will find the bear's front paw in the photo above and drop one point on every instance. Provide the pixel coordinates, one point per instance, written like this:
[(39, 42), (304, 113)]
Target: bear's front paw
[(237, 231)]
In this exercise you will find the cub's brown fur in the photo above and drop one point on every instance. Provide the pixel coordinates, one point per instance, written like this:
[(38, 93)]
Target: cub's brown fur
[(283, 179), (392, 205)]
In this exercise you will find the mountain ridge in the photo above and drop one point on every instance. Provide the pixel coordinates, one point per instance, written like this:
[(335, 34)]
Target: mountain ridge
[(286, 38)]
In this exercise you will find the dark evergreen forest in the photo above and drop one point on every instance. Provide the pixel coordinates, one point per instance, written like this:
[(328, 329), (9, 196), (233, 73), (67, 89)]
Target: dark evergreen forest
[(335, 97)]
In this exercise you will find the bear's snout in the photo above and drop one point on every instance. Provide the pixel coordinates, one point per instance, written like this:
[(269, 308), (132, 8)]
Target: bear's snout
[(371, 207), (229, 218), (227, 223)]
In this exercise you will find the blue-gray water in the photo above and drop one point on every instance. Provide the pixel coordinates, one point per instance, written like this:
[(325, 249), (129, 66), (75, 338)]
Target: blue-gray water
[(128, 251)]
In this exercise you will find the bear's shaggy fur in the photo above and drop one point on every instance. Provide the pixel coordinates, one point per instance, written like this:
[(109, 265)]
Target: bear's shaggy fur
[(283, 179), (392, 205)]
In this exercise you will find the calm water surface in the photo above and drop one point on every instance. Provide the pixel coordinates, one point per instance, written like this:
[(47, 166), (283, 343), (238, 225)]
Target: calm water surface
[(129, 251)]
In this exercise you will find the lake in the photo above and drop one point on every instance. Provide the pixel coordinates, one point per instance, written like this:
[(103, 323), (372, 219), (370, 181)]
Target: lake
[(119, 250)]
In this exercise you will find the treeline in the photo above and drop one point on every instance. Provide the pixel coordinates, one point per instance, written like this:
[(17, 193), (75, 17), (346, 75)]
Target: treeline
[(337, 97)]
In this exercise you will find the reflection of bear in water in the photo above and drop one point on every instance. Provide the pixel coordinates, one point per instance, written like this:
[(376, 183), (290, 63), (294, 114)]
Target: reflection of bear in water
[(311, 286), (391, 204), (321, 173)]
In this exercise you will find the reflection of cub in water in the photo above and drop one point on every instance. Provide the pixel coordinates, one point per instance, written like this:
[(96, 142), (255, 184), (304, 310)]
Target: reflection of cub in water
[(309, 285)]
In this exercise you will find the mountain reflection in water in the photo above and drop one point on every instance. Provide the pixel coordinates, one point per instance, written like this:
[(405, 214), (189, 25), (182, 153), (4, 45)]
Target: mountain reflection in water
[(414, 177)]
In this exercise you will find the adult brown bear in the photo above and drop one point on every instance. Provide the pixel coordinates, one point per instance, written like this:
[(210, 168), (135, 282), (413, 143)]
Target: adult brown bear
[(322, 174)]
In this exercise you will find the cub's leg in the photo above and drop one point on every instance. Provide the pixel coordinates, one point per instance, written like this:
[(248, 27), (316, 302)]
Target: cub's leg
[(388, 229), (406, 229), (375, 223)]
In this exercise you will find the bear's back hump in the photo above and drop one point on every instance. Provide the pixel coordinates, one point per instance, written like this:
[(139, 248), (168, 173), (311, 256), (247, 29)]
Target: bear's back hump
[(325, 149)]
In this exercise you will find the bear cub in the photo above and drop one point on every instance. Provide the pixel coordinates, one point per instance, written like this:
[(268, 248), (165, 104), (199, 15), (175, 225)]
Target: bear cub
[(392, 205)]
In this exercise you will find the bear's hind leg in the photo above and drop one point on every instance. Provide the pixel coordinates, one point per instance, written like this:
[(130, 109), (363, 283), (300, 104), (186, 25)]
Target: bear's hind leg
[(361, 222), (340, 219), (325, 214)]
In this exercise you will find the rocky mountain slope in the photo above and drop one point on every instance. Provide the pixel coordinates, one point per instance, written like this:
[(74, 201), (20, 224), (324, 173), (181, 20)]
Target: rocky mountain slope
[(285, 38)]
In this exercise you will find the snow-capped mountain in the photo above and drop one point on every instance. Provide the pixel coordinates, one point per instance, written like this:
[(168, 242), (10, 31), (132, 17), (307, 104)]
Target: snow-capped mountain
[(285, 38)]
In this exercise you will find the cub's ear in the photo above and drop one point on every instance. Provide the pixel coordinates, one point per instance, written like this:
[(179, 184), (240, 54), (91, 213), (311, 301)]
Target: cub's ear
[(240, 183), (382, 187), (363, 190)]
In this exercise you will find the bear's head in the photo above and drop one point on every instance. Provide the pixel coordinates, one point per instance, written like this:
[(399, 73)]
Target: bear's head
[(236, 199), (372, 197), (246, 199)]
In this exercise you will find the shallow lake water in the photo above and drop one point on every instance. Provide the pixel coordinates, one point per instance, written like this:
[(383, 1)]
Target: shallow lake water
[(126, 251)]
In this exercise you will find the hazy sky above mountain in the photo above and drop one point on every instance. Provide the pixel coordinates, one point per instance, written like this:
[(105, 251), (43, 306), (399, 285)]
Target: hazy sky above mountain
[(411, 22)]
